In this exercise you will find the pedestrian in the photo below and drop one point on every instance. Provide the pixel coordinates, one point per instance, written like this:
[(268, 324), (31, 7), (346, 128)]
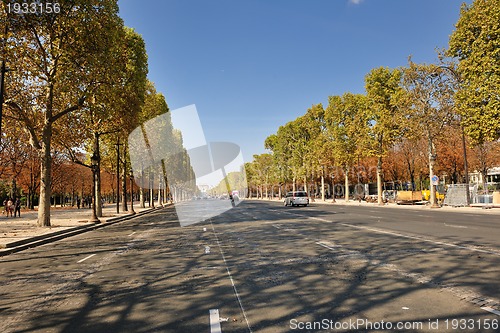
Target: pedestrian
[(4, 211), (17, 207), (10, 207), (78, 202)]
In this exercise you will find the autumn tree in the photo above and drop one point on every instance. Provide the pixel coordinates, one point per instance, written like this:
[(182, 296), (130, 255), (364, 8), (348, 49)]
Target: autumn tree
[(383, 89), (347, 128), (58, 59), (153, 106), (277, 144), (475, 43), (113, 109), (450, 152), (428, 106)]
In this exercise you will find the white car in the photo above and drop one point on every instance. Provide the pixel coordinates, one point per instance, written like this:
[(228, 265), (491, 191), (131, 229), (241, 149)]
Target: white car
[(296, 198)]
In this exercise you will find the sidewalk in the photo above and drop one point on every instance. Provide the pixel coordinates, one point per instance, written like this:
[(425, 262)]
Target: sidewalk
[(18, 233)]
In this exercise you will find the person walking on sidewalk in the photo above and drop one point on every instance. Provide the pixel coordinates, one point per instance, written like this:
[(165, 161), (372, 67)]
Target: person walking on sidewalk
[(10, 207), (17, 207)]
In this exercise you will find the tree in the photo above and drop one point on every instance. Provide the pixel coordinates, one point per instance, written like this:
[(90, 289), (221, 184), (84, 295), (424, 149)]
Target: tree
[(475, 42), (277, 144), (347, 128), (263, 168), (484, 157), (154, 105), (289, 146), (428, 104), (451, 158), (383, 88), (58, 60)]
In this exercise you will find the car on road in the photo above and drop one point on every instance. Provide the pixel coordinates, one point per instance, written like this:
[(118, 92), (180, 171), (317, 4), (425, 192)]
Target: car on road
[(296, 198)]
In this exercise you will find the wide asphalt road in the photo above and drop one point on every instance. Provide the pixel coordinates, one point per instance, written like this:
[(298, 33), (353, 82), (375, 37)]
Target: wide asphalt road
[(263, 267)]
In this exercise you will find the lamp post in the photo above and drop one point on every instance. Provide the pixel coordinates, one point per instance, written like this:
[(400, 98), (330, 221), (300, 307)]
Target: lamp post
[(322, 183), (94, 161), (131, 175)]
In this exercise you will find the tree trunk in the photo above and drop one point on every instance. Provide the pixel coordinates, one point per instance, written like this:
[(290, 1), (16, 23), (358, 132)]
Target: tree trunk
[(124, 189), (45, 178), (151, 193), (379, 181), (98, 197), (141, 198), (484, 176), (347, 184), (159, 197), (322, 187)]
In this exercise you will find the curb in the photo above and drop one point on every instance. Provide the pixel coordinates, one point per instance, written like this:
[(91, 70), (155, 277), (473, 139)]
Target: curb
[(34, 241)]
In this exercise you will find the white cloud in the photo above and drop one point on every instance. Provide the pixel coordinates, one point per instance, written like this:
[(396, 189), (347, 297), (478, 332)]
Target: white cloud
[(355, 2)]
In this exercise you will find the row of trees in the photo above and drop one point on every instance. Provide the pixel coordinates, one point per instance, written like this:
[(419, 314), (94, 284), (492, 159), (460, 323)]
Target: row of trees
[(405, 113), (75, 87)]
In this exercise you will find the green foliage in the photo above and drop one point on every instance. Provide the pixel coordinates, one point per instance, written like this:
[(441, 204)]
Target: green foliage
[(60, 59), (346, 127), (476, 44), (383, 88), (427, 102)]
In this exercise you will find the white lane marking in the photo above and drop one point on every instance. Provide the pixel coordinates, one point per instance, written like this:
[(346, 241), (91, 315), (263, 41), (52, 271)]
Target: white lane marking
[(455, 226), (214, 321), (207, 249), (331, 247), (326, 246), (318, 219), (487, 308), (132, 233), (422, 239), (232, 281), (82, 260)]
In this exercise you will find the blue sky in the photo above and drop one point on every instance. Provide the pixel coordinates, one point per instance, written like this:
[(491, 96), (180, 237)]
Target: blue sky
[(251, 66)]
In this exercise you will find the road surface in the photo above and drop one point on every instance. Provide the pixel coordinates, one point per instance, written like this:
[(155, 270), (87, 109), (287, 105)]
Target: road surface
[(263, 267)]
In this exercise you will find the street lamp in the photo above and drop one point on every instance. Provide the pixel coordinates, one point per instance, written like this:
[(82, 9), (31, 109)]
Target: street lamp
[(94, 161)]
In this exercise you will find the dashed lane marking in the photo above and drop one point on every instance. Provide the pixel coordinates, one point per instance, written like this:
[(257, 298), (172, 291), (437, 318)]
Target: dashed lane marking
[(470, 248), (456, 226), (88, 257), (326, 246), (215, 321), (487, 308), (236, 293)]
